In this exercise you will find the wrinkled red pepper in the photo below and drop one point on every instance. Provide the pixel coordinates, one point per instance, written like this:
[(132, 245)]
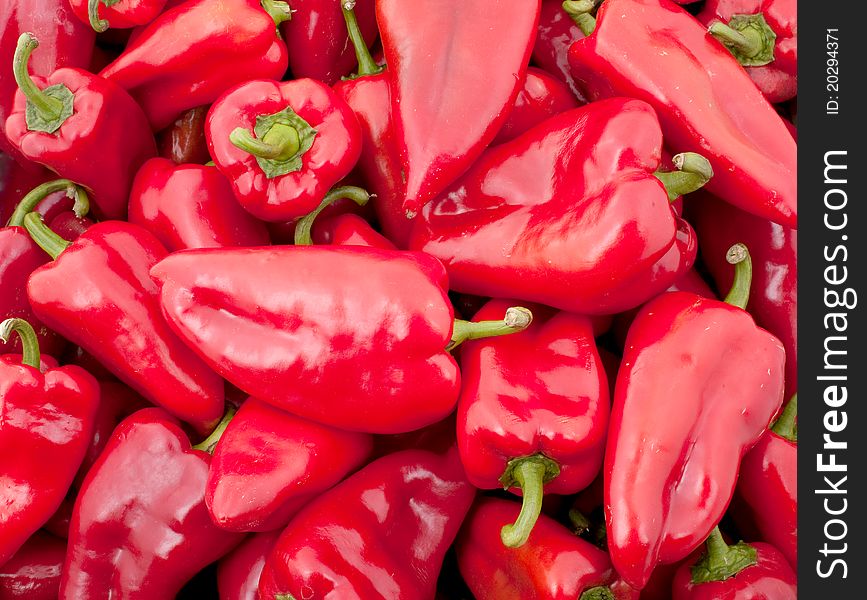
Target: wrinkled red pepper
[(698, 385), (655, 51), (533, 410), (34, 572), (238, 572), (282, 145), (557, 31), (478, 51), (381, 533), (541, 96), (118, 14), (140, 528), (46, 419), (162, 68), (65, 120)]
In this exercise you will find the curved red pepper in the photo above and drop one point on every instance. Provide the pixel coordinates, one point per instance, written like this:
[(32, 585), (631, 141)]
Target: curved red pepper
[(251, 491), (557, 31), (117, 14), (382, 533), (163, 70), (238, 572), (140, 528), (34, 572), (46, 421), (191, 206), (306, 140), (533, 410), (452, 91), (657, 52)]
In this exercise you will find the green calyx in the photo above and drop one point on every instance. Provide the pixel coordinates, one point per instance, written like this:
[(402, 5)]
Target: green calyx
[(305, 224), (739, 294), (530, 473), (721, 561), (29, 341), (30, 201), (748, 37), (693, 172), (281, 141), (597, 593), (47, 109), (210, 442), (786, 425), (580, 12), (99, 25), (517, 319), (366, 64)]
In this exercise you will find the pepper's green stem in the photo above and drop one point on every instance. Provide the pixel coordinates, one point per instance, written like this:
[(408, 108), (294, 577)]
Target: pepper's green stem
[(366, 64), (579, 11), (305, 223), (29, 202), (748, 37), (99, 25), (46, 109), (278, 11), (530, 473), (786, 425), (722, 561), (284, 597), (693, 172), (580, 523), (280, 143), (210, 442), (597, 593), (739, 294), (46, 239), (517, 319), (29, 341)]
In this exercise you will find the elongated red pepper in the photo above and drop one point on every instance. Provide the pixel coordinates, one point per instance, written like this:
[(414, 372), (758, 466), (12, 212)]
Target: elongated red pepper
[(34, 572), (163, 67), (557, 31), (533, 410), (97, 293), (699, 384), (657, 52), (47, 419), (455, 68), (191, 206), (118, 14), (763, 36), (569, 214), (541, 96), (65, 119), (378, 352), (372, 535), (238, 572), (754, 571), (282, 145), (140, 528)]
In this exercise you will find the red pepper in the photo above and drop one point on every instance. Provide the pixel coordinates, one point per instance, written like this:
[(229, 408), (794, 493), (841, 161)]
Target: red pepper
[(66, 119), (16, 180), (47, 419), (371, 349), (191, 206), (569, 214), (382, 533), (349, 230), (119, 14), (238, 572), (699, 384), (657, 52), (763, 36), (306, 140), (247, 491), (554, 564), (97, 293), (194, 52), (456, 67), (741, 572), (34, 572), (184, 140), (533, 410), (140, 528), (557, 31)]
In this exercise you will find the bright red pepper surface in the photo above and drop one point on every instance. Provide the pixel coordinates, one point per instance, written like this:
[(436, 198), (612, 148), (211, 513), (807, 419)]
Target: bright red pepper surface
[(556, 33), (335, 148), (238, 572), (456, 67), (165, 67), (34, 572), (191, 206), (349, 230), (140, 528), (19, 257), (99, 295), (382, 533), (655, 51), (121, 14), (698, 385), (541, 96), (565, 215)]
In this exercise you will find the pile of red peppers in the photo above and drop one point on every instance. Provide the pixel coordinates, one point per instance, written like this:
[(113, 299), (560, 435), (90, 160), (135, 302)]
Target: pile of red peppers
[(385, 299)]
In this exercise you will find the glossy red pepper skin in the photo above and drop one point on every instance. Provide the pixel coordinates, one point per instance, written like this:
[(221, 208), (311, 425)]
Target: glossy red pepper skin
[(705, 100), (121, 15), (698, 385), (540, 97), (162, 67), (46, 419), (142, 531), (334, 152), (774, 249), (249, 492), (98, 294), (771, 578), (778, 80), (349, 230), (17, 179), (557, 31), (34, 572), (19, 257), (371, 536), (564, 215), (238, 572), (375, 361), (191, 206), (444, 122), (317, 41), (184, 140)]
